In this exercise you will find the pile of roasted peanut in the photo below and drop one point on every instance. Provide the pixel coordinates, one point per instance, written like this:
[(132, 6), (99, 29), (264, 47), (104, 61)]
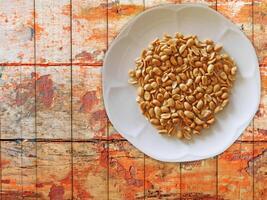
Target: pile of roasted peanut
[(182, 83)]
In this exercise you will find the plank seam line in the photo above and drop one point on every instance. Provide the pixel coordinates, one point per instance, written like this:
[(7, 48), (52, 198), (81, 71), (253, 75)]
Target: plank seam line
[(71, 101), (35, 100), (51, 64), (107, 36), (253, 179)]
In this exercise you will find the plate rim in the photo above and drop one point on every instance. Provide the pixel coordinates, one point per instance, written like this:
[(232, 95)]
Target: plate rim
[(238, 132)]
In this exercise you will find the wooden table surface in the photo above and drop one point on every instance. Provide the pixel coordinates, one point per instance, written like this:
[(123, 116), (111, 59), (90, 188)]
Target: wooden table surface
[(56, 140)]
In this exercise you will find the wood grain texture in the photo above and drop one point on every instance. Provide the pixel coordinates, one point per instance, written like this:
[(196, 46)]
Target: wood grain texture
[(258, 166), (10, 113), (199, 179), (52, 29), (53, 102), (18, 168), (234, 180), (54, 170), (126, 171), (119, 13), (11, 179), (88, 113), (17, 108), (260, 43), (90, 170), (29, 169), (162, 180), (16, 31), (260, 28), (89, 26)]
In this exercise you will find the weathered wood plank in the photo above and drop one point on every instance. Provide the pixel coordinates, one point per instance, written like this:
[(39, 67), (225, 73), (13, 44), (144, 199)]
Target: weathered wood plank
[(10, 113), (11, 170), (247, 134), (259, 169), (18, 168), (16, 31), (162, 180), (119, 13), (246, 185), (90, 170), (53, 102), (54, 170), (89, 26), (239, 13), (126, 164), (260, 43), (28, 170), (260, 30), (199, 180), (234, 181), (17, 95), (126, 171), (260, 119), (25, 98), (52, 31), (89, 116)]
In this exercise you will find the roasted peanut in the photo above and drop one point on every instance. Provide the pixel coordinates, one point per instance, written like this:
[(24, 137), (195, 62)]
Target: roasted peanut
[(182, 83)]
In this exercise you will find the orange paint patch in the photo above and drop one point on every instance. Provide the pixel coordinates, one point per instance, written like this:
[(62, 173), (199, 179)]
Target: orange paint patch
[(115, 136), (263, 71), (241, 16), (3, 163), (96, 13), (66, 9), (121, 11), (260, 10), (89, 13), (66, 28), (38, 30), (98, 35)]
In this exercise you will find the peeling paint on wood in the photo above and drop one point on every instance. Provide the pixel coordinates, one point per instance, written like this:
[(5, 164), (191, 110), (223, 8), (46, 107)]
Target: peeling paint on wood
[(53, 102), (16, 31), (54, 177), (89, 117), (53, 39), (56, 141), (89, 41)]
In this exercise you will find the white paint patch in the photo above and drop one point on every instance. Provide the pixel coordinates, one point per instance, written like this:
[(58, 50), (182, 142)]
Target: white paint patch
[(235, 6)]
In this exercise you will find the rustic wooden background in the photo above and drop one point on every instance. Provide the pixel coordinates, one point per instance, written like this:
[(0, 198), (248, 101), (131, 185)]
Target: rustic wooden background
[(56, 141)]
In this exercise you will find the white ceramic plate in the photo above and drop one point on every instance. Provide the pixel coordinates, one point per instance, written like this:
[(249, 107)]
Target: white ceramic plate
[(119, 96)]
